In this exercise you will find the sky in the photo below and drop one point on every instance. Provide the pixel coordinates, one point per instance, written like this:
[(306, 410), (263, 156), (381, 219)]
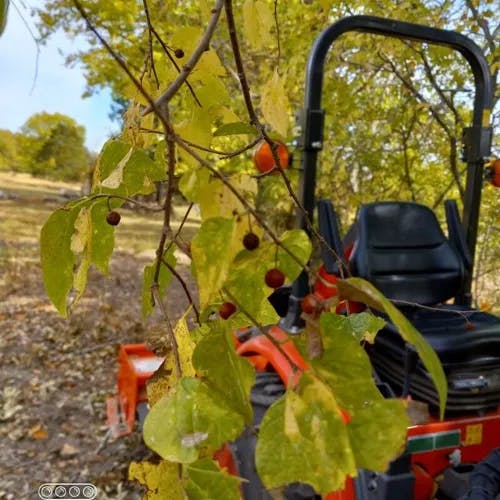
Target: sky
[(57, 89)]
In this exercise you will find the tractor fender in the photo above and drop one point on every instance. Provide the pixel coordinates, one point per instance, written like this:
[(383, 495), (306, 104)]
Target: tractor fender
[(275, 348)]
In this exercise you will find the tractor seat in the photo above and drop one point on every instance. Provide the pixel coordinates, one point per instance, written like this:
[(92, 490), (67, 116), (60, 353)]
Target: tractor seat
[(403, 251)]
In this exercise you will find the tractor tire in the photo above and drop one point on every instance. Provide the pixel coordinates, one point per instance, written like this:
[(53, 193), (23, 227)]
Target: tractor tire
[(267, 389)]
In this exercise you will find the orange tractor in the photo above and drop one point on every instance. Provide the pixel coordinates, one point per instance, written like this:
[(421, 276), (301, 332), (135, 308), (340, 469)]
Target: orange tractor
[(401, 249)]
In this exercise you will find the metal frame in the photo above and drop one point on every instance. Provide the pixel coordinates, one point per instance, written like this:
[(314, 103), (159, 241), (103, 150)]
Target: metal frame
[(476, 139)]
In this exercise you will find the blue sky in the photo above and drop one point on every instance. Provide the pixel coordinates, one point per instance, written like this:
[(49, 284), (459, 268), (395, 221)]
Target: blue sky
[(57, 88)]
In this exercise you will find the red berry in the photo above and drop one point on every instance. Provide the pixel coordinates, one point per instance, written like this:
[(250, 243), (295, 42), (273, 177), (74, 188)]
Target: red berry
[(251, 241), (179, 53), (227, 309), (113, 218), (309, 304), (274, 278)]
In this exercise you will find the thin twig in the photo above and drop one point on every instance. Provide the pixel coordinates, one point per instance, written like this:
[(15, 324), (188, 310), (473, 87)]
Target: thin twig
[(155, 290), (180, 279), (37, 45), (225, 154), (203, 44), (167, 51), (277, 24), (150, 42)]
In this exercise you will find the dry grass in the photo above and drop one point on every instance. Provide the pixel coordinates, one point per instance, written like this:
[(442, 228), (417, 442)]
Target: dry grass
[(33, 200)]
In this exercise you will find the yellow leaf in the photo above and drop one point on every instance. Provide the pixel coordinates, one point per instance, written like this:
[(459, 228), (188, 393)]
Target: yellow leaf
[(257, 23), (162, 479), (185, 346), (274, 104)]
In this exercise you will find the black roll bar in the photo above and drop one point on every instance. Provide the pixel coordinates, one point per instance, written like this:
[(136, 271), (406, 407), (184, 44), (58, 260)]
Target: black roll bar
[(476, 139)]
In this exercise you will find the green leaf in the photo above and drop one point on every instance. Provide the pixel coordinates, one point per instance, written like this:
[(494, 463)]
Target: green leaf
[(275, 105), (57, 259), (164, 279), (375, 443), (211, 254), (216, 363), (310, 424), (103, 237), (344, 365), (204, 412), (193, 182), (235, 128), (360, 290), (306, 432), (246, 283), (257, 23), (125, 171), (206, 481), (299, 244), (190, 418)]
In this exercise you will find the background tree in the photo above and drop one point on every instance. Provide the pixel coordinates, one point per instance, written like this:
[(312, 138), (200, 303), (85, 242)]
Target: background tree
[(9, 151), (52, 145)]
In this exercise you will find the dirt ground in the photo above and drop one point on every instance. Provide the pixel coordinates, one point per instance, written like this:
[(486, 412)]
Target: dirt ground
[(56, 374)]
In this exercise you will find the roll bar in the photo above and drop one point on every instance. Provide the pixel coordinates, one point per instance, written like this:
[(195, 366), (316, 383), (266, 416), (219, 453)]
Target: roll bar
[(476, 139)]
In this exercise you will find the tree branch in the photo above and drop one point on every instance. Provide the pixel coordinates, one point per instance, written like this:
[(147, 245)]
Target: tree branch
[(203, 44)]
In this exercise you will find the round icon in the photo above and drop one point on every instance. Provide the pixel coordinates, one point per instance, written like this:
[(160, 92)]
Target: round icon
[(45, 491), (89, 492), (74, 492), (60, 492)]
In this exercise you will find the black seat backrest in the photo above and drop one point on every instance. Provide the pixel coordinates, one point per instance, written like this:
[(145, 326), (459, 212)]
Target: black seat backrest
[(402, 250)]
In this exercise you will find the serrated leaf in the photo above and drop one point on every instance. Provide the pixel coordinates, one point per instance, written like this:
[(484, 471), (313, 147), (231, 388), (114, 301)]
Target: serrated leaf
[(360, 290), (305, 430), (57, 259), (161, 479), (229, 376), (206, 481), (275, 104), (115, 178), (164, 279), (258, 21), (235, 128)]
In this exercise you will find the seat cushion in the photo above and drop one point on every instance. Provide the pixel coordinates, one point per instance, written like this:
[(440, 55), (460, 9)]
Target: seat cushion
[(403, 251)]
